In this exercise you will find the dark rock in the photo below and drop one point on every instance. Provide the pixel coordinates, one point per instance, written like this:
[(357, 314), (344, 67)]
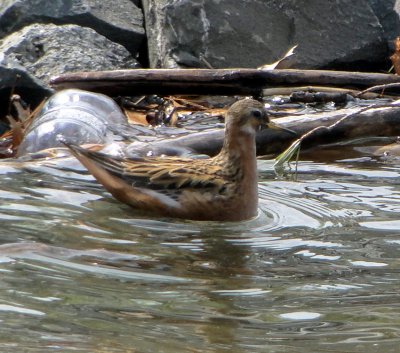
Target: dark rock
[(229, 33), (120, 21), (16, 80), (388, 13), (46, 50), (214, 33), (29, 57), (341, 34), (138, 3)]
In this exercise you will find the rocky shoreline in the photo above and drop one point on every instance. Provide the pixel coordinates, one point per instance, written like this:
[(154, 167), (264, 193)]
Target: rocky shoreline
[(43, 38)]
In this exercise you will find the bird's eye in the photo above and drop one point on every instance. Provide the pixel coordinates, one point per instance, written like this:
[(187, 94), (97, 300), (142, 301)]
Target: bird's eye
[(257, 114)]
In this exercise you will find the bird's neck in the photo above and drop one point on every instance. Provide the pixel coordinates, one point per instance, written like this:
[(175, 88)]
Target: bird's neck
[(239, 156), (239, 149)]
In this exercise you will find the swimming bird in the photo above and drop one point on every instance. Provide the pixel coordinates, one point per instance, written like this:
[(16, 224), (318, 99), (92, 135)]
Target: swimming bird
[(221, 188)]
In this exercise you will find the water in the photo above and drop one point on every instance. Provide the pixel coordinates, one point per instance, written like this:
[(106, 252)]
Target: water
[(316, 271)]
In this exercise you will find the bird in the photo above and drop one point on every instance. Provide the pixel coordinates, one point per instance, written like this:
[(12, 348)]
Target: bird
[(220, 188)]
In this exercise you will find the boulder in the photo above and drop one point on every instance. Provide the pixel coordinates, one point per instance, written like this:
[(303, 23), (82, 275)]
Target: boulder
[(341, 34), (388, 13), (29, 57), (217, 34), (14, 79), (120, 21), (230, 33)]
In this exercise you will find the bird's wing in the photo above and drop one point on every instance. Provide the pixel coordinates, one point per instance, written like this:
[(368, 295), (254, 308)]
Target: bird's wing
[(177, 173), (168, 172)]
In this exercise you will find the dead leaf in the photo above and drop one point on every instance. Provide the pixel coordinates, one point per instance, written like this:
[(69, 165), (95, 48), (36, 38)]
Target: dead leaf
[(275, 65), (395, 58), (137, 117), (16, 131)]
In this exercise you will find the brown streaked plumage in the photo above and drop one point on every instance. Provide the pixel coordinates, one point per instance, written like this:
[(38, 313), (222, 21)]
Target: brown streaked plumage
[(222, 188)]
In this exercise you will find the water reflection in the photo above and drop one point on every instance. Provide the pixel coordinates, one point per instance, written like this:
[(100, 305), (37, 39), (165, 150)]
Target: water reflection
[(316, 270)]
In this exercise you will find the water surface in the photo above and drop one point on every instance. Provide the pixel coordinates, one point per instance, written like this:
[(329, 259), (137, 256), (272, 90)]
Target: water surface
[(316, 271)]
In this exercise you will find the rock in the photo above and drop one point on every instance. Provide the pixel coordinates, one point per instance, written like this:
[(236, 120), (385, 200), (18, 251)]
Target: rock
[(214, 33), (120, 21), (37, 52), (388, 17), (137, 2), (46, 50), (228, 33), (15, 79), (342, 34)]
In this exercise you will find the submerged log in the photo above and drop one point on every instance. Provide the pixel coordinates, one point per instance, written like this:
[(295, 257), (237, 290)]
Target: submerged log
[(211, 82), (341, 125)]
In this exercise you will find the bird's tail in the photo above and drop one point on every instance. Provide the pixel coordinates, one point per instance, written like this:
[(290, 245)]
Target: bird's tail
[(112, 165), (108, 172)]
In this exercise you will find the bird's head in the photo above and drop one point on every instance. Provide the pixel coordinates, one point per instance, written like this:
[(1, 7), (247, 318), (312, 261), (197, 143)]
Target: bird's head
[(249, 116)]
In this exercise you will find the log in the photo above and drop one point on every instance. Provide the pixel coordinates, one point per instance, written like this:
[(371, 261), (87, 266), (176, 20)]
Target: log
[(366, 94), (210, 81), (344, 124)]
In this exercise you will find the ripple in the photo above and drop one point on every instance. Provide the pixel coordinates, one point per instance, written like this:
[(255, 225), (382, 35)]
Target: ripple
[(368, 264), (250, 292), (300, 315), (317, 266), (58, 196), (108, 272), (278, 243), (54, 258), (312, 255), (341, 170), (290, 204), (382, 225), (328, 287), (154, 225), (20, 310)]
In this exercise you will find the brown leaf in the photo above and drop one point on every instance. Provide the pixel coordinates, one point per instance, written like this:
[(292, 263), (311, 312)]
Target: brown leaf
[(395, 58), (16, 130), (278, 64), (137, 117)]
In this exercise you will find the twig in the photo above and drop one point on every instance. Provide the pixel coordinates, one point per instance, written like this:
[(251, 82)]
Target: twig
[(336, 123), (294, 148), (380, 87)]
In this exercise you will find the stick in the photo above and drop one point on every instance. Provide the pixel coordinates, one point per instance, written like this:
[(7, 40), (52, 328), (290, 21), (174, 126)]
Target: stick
[(211, 82), (328, 127), (379, 88)]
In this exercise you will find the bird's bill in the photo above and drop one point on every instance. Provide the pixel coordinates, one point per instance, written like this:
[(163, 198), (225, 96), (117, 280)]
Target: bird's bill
[(274, 126)]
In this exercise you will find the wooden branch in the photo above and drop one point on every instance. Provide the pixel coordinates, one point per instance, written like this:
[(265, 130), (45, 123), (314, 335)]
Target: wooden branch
[(345, 124), (211, 82), (365, 94), (381, 88)]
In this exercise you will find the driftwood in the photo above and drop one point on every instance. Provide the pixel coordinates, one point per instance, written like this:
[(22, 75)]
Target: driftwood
[(318, 97), (344, 124), (211, 82), (365, 94)]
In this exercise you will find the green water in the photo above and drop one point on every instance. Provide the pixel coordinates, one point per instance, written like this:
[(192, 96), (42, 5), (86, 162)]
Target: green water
[(317, 271)]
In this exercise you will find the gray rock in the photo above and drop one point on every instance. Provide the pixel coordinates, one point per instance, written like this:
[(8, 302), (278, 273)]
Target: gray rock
[(217, 33), (229, 33), (29, 57), (342, 34), (138, 3), (120, 21), (16, 80), (47, 50), (388, 13)]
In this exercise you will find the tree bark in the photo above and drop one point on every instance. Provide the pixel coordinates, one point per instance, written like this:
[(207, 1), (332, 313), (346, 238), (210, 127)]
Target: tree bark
[(211, 82)]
